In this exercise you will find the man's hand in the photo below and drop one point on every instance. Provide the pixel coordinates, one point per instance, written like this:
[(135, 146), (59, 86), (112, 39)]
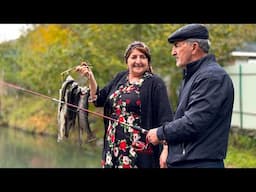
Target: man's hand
[(163, 157), (152, 136)]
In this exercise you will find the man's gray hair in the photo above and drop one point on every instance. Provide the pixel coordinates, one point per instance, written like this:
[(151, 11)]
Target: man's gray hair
[(204, 44)]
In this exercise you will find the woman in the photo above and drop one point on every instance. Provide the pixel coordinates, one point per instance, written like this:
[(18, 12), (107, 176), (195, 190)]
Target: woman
[(136, 97)]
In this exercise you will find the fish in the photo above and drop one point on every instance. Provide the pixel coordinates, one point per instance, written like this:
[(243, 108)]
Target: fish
[(83, 121), (70, 117), (63, 108), (71, 114)]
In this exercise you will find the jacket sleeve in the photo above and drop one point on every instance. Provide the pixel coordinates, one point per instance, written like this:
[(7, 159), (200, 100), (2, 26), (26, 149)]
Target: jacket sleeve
[(208, 93)]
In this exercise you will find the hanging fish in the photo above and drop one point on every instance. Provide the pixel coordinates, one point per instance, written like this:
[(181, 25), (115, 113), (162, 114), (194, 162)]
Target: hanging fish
[(71, 93), (72, 98), (63, 108), (83, 121)]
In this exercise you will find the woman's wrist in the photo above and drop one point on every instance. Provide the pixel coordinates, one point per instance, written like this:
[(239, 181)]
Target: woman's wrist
[(92, 98)]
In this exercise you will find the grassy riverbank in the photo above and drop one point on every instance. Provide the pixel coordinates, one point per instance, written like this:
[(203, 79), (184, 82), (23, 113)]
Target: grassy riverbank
[(241, 151)]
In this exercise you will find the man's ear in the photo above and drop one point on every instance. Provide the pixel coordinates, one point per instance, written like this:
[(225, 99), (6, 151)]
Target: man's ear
[(194, 45)]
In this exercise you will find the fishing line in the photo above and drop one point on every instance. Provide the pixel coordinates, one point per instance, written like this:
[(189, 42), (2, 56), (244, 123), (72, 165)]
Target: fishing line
[(144, 131)]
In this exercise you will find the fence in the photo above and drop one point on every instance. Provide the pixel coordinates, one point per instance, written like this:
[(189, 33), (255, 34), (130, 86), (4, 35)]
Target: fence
[(244, 78)]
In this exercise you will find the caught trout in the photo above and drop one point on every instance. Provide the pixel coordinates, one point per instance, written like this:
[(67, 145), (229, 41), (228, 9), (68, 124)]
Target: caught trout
[(63, 108), (83, 121), (69, 116)]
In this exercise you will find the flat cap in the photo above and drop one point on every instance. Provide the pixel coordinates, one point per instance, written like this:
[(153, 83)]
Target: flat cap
[(190, 31)]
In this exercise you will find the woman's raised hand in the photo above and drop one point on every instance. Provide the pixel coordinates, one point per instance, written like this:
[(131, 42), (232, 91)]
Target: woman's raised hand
[(84, 70)]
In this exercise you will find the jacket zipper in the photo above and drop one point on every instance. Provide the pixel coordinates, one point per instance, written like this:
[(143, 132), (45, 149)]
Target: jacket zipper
[(183, 149)]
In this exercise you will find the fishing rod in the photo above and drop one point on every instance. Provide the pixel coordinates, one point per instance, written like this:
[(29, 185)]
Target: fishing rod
[(138, 128)]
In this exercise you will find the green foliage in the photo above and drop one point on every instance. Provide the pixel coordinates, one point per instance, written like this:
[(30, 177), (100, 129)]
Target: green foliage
[(8, 64), (241, 152), (242, 141), (36, 60), (227, 37)]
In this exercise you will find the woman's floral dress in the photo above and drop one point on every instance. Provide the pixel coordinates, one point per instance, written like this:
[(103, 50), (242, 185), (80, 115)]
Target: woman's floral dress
[(126, 107)]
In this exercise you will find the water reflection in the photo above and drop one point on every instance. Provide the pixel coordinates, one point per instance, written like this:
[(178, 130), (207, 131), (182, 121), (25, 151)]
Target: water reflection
[(20, 150)]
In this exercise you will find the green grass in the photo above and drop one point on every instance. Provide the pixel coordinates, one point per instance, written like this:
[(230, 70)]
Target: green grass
[(241, 152)]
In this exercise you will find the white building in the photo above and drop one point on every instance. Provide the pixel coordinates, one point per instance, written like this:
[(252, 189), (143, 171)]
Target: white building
[(243, 74)]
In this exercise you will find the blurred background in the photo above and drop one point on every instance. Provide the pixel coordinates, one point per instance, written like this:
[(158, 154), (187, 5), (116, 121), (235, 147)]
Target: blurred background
[(33, 56)]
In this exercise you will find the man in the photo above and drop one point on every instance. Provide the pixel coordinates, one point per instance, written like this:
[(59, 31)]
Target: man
[(198, 135)]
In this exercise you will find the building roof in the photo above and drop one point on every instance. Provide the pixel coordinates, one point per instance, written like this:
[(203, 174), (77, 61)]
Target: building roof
[(246, 50)]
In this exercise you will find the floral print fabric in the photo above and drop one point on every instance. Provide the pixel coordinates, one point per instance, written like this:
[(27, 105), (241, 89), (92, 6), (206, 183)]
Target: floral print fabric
[(126, 107)]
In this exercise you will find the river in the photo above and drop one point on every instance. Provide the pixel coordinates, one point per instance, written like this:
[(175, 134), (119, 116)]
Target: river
[(22, 150)]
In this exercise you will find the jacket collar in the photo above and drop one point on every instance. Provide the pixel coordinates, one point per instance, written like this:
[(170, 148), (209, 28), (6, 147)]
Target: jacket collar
[(195, 65)]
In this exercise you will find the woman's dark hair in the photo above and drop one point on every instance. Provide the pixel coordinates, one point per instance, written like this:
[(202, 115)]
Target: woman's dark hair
[(140, 46)]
